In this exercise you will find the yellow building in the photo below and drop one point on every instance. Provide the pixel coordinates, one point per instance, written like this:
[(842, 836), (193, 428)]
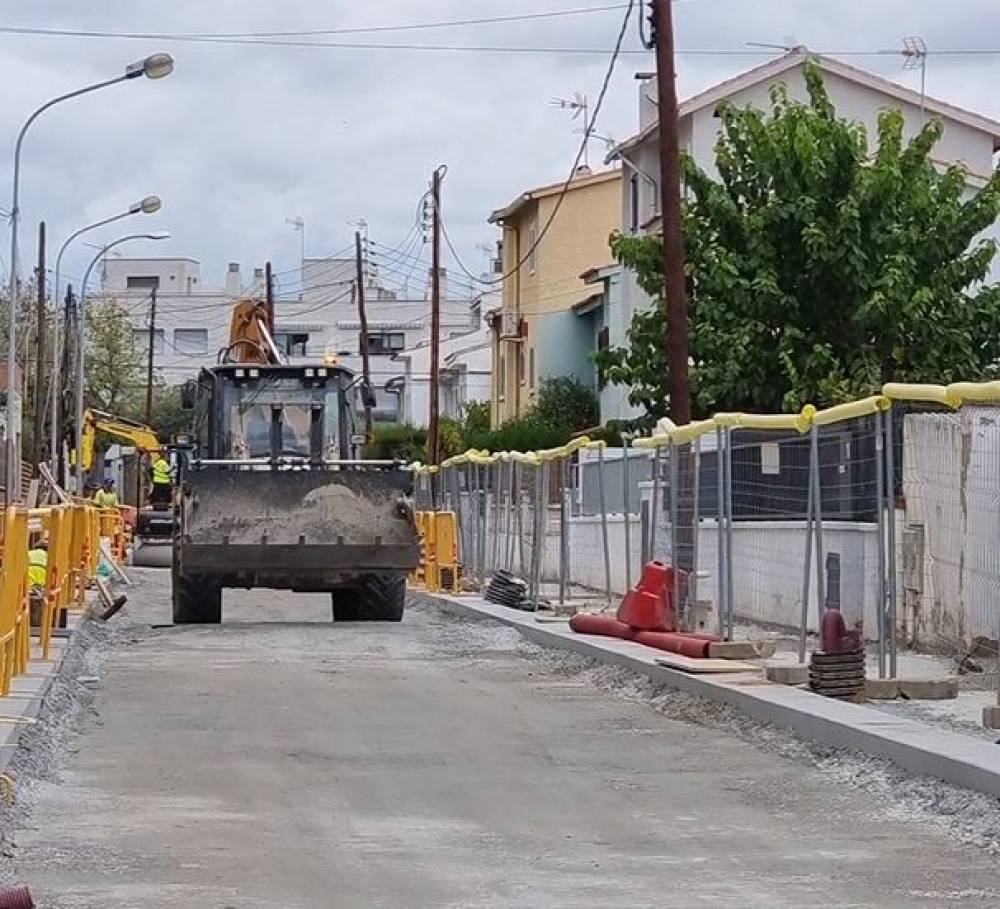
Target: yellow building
[(535, 332)]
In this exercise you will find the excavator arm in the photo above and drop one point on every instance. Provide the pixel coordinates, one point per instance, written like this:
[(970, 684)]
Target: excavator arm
[(251, 339), (138, 434)]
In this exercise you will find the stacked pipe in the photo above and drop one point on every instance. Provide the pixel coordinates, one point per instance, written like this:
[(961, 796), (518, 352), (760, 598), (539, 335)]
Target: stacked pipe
[(16, 898), (507, 590), (648, 616)]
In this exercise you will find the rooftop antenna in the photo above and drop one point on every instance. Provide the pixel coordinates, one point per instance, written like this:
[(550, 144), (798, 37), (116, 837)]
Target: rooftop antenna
[(914, 56), (297, 223), (579, 105)]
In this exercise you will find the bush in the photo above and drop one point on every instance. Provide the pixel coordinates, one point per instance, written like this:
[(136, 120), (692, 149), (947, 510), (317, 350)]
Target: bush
[(568, 403), (397, 440)]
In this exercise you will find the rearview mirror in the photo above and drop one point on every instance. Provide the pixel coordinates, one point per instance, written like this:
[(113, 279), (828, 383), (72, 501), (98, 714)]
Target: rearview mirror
[(189, 391)]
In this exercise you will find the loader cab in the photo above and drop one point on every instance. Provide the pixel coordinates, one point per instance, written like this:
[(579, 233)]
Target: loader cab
[(267, 412)]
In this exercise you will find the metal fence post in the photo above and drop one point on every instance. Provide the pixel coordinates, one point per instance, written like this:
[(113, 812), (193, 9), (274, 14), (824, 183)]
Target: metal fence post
[(675, 556), (692, 586), (626, 517), (564, 493), (730, 596), (497, 485), (481, 524), (538, 537), (720, 534), (880, 543), (890, 470), (604, 521), (806, 566), (508, 548), (654, 515), (814, 479)]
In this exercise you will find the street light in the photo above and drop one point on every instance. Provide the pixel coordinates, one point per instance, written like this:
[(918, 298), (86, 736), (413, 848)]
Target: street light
[(158, 235), (155, 66), (148, 205)]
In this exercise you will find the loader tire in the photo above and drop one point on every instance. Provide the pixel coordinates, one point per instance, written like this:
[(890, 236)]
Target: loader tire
[(196, 600), (375, 598)]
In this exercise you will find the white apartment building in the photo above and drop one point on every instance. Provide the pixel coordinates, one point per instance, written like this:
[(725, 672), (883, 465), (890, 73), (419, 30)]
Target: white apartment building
[(316, 318)]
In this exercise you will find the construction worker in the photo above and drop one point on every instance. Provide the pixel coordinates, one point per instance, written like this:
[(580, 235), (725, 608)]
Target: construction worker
[(106, 497), (162, 481), (38, 566)]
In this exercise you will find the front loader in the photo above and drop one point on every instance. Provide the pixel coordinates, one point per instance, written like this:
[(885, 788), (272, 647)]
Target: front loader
[(277, 495)]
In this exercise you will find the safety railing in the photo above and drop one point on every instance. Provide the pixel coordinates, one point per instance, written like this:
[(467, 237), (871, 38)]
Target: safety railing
[(49, 557), (885, 507)]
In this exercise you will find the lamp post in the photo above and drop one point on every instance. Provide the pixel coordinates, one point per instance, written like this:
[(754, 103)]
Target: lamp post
[(147, 206), (155, 66), (160, 235)]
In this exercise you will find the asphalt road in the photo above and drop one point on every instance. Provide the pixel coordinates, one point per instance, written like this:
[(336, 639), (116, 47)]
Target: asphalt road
[(281, 761)]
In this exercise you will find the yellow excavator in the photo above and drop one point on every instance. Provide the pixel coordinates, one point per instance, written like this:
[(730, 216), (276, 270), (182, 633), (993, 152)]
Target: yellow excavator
[(138, 434), (154, 525)]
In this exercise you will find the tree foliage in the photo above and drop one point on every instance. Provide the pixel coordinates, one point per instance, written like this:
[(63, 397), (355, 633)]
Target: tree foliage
[(818, 270), (114, 369)]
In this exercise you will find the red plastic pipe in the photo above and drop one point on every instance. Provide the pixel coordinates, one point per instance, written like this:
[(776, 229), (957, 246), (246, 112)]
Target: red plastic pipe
[(674, 642), (16, 898), (607, 625)]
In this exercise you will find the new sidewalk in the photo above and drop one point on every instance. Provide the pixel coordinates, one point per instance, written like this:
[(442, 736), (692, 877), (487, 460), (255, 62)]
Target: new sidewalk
[(914, 746)]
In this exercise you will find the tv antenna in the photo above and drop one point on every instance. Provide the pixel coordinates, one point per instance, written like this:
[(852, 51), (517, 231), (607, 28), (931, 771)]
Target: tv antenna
[(915, 57), (579, 105)]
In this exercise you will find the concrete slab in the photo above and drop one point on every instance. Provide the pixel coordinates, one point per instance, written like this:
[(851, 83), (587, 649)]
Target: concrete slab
[(881, 689), (917, 747), (929, 689), (991, 716), (733, 650), (787, 674)]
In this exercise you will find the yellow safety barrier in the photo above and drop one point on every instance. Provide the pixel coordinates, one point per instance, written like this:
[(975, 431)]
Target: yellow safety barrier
[(14, 590), (442, 571), (112, 526)]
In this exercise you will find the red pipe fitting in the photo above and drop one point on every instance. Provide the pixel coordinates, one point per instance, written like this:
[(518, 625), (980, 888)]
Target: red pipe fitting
[(584, 623), (16, 898), (674, 642)]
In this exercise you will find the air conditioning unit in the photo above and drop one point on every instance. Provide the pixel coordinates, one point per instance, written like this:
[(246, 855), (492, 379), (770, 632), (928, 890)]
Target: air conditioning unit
[(510, 325)]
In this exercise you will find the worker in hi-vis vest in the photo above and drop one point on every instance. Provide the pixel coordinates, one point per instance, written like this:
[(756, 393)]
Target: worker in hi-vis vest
[(162, 480)]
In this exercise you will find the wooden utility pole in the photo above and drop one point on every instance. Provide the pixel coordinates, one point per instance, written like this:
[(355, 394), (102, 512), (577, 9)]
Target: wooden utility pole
[(359, 293), (39, 428), (433, 443), (269, 297), (674, 286), (149, 359)]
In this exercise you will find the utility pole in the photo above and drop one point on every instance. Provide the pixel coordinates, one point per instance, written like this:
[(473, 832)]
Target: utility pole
[(36, 446), (674, 287), (60, 393), (359, 291), (269, 296), (149, 358), (433, 444)]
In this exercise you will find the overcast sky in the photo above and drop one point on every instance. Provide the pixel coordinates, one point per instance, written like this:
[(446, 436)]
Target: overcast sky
[(240, 138)]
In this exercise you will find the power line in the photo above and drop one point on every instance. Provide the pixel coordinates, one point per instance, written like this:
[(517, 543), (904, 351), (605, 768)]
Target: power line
[(414, 26), (588, 130)]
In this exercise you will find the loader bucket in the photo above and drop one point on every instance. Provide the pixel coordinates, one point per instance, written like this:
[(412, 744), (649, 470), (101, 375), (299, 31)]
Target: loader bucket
[(296, 529)]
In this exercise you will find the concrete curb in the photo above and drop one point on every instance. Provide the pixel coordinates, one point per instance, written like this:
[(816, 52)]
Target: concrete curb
[(961, 760), (28, 693)]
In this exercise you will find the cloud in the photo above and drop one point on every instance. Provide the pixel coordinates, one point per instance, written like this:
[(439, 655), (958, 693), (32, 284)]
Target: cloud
[(239, 138)]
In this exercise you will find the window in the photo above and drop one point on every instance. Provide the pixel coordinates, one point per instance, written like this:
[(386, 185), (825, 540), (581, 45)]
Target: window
[(191, 340), (142, 282), (386, 342), (292, 343), (501, 377), (633, 203), (532, 237), (531, 368), (522, 372), (603, 343), (140, 338)]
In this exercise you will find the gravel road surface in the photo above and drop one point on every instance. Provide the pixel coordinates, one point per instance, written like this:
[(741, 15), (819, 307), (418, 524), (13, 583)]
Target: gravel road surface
[(279, 760)]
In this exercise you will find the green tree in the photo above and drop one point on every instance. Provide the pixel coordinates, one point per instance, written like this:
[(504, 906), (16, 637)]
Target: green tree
[(566, 402), (114, 369), (818, 270)]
